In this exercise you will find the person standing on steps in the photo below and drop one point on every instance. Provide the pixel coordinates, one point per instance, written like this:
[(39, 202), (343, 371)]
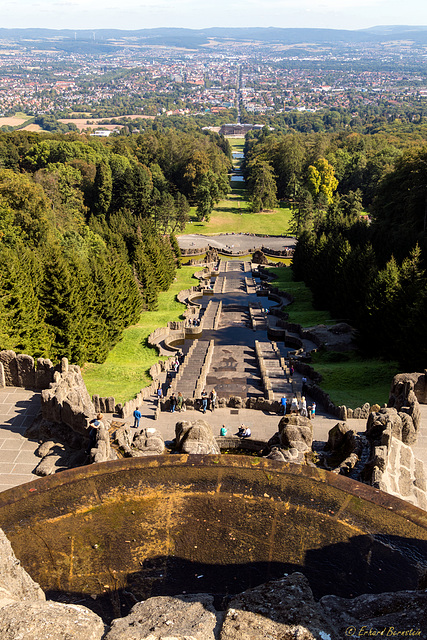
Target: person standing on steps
[(179, 401), (213, 399), (283, 402), (136, 418), (172, 402), (204, 400)]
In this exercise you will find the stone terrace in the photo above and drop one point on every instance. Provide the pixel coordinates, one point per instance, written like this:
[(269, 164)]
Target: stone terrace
[(18, 408)]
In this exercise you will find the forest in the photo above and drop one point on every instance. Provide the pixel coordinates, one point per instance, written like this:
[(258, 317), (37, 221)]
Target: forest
[(359, 210), (87, 232)]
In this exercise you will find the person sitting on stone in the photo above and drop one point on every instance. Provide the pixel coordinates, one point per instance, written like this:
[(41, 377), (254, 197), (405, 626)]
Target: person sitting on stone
[(247, 433), (93, 431), (223, 431), (241, 430)]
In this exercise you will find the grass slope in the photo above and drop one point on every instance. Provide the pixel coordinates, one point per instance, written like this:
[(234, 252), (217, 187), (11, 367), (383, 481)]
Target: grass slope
[(125, 371), (355, 381), (301, 311), (349, 379)]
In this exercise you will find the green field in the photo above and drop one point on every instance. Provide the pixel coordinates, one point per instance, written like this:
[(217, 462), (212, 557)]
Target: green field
[(125, 371), (356, 380)]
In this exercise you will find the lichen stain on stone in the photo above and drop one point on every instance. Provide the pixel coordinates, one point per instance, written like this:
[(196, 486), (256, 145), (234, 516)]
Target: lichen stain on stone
[(88, 536)]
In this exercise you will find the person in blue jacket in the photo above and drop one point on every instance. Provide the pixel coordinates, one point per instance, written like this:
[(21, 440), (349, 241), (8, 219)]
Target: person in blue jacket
[(283, 405), (137, 418)]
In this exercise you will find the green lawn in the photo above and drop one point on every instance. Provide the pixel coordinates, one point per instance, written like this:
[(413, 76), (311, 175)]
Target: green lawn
[(125, 371), (301, 311), (355, 380)]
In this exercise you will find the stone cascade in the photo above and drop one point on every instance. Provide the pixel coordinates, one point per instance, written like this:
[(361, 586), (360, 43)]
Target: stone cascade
[(235, 278), (190, 372), (251, 286), (201, 382), (275, 372), (258, 317), (209, 317), (234, 372)]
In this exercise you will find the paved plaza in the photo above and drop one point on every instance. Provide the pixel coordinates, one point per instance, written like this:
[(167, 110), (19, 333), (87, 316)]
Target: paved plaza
[(235, 242), (18, 408)]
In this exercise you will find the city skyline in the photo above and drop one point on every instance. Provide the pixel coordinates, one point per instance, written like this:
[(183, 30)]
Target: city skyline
[(199, 14)]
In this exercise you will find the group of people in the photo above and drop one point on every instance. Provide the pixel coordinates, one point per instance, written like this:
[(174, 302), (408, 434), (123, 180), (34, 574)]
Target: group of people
[(195, 322), (208, 399), (243, 432), (298, 407), (176, 402)]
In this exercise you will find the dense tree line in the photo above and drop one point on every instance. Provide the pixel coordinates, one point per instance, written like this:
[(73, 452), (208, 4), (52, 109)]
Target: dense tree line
[(370, 271), (86, 232)]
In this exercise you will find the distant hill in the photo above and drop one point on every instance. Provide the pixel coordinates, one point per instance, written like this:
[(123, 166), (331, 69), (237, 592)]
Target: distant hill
[(193, 38)]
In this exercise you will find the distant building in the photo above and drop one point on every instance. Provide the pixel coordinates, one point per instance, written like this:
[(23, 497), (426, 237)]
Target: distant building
[(238, 129), (101, 133)]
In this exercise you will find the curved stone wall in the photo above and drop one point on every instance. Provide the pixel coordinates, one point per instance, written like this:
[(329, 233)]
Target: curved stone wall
[(170, 524)]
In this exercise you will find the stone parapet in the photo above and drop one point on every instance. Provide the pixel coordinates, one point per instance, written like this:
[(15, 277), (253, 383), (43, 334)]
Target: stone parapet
[(67, 400), (19, 370)]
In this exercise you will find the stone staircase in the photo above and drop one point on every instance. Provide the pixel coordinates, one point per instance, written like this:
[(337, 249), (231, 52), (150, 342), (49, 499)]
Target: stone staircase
[(191, 369), (211, 315), (258, 317), (234, 372), (274, 370)]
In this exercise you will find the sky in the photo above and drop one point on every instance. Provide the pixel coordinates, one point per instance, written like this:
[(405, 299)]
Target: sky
[(198, 14)]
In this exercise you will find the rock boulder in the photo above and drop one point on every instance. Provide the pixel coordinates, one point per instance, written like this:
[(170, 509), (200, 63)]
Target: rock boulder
[(195, 438), (179, 618), (280, 609), (295, 432)]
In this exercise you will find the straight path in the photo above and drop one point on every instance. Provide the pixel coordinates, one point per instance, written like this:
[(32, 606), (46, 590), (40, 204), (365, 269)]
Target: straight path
[(18, 408)]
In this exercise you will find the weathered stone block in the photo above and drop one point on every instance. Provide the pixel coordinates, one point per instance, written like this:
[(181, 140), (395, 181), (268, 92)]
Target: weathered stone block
[(195, 438), (174, 618), (380, 458), (406, 456), (44, 373), (8, 359), (405, 483), (26, 371), (53, 620), (96, 405), (110, 404), (420, 475)]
